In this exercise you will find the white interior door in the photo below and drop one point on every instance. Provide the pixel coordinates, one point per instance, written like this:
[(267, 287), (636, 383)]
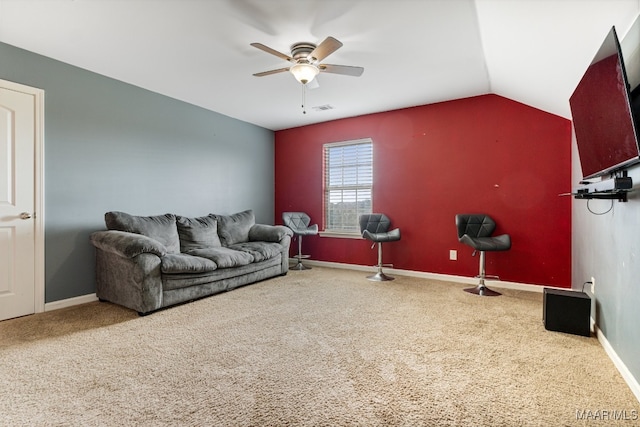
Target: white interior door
[(18, 254)]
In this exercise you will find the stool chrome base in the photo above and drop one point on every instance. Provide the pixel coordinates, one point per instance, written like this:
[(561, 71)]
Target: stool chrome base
[(300, 267), (380, 277), (483, 291)]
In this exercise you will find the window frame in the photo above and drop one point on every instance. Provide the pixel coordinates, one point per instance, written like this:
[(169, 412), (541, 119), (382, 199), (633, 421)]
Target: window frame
[(326, 188)]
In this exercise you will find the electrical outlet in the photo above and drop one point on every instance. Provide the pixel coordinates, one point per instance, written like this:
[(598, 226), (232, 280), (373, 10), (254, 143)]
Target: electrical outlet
[(453, 255), (593, 285)]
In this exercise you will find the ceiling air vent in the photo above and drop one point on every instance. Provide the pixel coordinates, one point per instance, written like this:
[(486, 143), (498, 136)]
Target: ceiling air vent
[(323, 107)]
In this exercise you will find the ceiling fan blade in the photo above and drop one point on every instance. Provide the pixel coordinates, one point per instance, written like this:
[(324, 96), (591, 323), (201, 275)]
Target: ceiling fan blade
[(268, 73), (273, 52), (324, 49), (313, 84), (341, 69)]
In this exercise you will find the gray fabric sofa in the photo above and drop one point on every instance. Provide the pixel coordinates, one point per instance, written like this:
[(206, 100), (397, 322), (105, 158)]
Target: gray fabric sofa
[(148, 263)]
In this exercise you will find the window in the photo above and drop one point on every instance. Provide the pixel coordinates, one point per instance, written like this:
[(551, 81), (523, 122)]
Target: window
[(348, 180)]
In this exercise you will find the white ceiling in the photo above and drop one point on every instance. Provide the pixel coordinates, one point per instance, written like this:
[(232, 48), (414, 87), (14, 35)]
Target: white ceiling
[(414, 52)]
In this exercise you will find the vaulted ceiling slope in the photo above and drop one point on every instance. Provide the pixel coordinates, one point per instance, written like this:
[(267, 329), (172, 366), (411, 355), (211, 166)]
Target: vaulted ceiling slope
[(414, 52)]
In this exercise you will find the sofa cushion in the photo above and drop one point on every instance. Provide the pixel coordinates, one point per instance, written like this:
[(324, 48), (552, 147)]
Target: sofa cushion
[(259, 250), (183, 263), (235, 228), (198, 233), (224, 257), (161, 227)]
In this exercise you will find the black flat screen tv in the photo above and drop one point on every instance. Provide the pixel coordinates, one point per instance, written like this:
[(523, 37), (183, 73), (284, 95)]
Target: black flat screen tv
[(604, 116)]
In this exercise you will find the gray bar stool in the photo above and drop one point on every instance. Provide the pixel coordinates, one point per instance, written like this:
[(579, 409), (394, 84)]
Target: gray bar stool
[(298, 222), (375, 227), (475, 230)]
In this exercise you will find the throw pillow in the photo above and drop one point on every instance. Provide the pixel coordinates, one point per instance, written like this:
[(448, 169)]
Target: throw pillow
[(198, 233), (161, 227), (235, 228)]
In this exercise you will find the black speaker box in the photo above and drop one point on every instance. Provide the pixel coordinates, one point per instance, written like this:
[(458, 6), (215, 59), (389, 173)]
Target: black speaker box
[(567, 311)]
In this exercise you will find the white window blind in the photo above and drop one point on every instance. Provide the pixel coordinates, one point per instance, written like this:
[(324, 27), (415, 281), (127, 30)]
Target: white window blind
[(348, 181)]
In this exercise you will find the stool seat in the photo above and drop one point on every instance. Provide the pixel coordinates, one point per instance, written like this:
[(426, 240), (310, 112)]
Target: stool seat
[(498, 243), (389, 236)]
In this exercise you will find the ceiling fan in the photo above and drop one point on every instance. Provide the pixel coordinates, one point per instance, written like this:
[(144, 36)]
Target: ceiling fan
[(306, 58)]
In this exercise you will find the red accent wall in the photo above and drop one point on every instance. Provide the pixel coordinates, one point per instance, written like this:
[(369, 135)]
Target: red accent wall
[(483, 154)]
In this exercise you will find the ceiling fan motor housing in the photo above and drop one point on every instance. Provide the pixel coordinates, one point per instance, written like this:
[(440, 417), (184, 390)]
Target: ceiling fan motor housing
[(301, 50)]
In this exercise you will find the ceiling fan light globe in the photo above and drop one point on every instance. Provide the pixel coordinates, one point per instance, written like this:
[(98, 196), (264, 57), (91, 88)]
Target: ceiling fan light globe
[(304, 73)]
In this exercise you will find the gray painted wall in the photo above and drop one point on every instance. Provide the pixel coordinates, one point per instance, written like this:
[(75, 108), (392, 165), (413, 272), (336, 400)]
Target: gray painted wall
[(606, 247), (113, 146)]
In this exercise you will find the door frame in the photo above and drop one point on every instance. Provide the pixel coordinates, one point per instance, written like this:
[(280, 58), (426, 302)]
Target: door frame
[(39, 282)]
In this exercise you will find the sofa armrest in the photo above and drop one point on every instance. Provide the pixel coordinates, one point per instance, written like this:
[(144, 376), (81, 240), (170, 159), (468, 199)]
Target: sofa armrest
[(269, 233), (127, 245)]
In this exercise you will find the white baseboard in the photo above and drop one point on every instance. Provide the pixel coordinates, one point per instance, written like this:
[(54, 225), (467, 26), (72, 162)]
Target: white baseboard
[(433, 276), (619, 364), (69, 302)]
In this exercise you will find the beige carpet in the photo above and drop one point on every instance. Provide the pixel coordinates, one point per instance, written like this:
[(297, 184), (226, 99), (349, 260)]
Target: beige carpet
[(322, 347)]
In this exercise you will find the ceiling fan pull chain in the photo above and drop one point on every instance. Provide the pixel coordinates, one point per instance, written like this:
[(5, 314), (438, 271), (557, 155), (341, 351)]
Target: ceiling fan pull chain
[(303, 99)]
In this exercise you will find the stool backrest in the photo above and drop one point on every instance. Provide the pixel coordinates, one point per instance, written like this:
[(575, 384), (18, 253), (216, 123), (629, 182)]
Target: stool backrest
[(374, 223), (296, 220), (475, 225)]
